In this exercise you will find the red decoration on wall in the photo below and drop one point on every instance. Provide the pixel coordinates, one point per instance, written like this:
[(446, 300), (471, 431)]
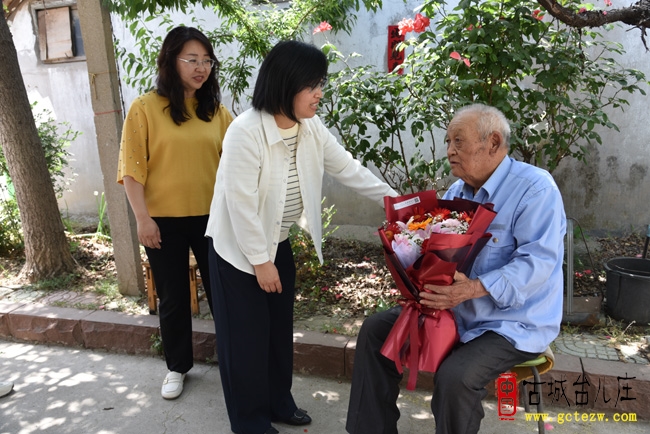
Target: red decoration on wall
[(395, 57)]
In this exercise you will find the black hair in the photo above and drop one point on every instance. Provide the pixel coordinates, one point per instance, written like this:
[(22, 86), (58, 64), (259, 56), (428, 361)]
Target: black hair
[(169, 83), (290, 67)]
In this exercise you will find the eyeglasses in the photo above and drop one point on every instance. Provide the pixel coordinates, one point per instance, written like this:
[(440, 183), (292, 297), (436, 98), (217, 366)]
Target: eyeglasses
[(195, 63), (321, 84)]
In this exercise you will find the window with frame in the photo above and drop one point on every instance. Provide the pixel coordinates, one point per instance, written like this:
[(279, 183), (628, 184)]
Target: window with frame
[(59, 31)]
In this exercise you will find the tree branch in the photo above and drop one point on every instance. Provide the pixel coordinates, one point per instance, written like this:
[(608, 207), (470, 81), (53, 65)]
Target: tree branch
[(636, 15)]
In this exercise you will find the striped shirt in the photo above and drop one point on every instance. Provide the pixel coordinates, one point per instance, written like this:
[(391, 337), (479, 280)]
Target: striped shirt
[(293, 202)]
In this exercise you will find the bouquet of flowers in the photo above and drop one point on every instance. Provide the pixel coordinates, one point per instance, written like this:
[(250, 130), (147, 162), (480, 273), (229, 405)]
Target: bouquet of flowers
[(426, 241), (409, 239)]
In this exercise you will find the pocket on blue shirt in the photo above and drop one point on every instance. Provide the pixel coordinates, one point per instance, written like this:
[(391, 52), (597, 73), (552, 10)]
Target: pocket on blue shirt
[(496, 253)]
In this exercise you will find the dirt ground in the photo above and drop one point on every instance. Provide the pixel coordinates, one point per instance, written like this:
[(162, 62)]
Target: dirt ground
[(353, 283)]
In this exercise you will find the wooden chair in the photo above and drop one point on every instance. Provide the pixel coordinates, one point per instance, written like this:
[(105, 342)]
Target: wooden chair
[(194, 283)]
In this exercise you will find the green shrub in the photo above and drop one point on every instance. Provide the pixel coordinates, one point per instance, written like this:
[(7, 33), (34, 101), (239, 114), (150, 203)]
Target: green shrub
[(11, 237), (308, 267), (556, 84), (245, 34), (57, 157)]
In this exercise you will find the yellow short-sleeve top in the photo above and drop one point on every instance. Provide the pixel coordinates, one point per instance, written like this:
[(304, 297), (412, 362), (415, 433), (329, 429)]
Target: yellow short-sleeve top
[(176, 164)]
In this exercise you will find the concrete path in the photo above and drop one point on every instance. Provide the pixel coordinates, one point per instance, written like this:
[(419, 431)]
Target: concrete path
[(73, 390)]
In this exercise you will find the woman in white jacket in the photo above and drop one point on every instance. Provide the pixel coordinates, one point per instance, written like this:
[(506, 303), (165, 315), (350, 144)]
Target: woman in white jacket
[(270, 177)]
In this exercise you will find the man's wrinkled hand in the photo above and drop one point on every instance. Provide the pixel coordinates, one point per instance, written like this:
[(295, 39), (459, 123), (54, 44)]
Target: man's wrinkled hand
[(446, 297)]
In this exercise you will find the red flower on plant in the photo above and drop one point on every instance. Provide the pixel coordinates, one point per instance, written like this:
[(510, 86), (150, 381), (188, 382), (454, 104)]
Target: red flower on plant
[(454, 55), (608, 2), (418, 25), (421, 23), (538, 14), (322, 27), (405, 26), (582, 10)]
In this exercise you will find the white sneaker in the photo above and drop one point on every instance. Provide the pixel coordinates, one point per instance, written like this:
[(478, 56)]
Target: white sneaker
[(5, 388), (173, 385)]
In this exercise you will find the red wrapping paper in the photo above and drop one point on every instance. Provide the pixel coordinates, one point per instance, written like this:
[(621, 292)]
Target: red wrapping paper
[(422, 337)]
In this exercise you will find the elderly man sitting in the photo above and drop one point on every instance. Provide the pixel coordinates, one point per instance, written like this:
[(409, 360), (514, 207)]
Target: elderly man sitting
[(508, 310)]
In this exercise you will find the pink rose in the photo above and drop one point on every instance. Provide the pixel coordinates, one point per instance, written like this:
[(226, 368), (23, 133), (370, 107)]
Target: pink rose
[(421, 23), (322, 27), (405, 26)]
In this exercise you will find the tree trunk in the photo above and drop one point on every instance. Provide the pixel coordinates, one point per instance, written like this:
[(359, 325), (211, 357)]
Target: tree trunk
[(47, 252), (97, 33)]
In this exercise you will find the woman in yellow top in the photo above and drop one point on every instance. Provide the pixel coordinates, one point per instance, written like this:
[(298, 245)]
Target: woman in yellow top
[(169, 155)]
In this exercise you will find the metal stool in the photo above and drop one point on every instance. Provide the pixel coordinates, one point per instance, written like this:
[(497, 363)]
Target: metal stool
[(152, 297), (537, 388)]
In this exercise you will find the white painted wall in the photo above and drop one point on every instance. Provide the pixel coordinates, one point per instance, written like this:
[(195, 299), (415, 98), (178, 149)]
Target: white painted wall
[(368, 38), (63, 89), (612, 193), (124, 39)]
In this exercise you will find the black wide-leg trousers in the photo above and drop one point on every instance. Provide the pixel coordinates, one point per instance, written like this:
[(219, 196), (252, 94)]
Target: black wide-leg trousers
[(254, 332), (170, 266), (459, 384)]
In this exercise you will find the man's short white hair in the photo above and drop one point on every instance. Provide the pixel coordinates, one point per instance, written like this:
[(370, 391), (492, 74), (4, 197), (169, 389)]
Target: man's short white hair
[(489, 120)]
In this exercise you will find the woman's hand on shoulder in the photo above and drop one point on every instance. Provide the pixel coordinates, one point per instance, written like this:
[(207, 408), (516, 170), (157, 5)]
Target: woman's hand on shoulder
[(268, 277)]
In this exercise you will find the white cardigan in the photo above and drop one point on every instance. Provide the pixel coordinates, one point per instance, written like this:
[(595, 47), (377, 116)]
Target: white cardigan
[(249, 193)]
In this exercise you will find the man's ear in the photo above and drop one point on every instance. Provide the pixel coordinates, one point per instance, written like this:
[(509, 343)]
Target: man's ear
[(495, 140)]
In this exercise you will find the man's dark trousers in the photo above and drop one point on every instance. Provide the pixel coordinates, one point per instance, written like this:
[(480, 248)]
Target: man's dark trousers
[(459, 384)]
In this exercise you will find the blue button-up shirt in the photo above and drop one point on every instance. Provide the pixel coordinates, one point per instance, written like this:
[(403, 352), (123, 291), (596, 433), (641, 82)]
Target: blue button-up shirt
[(521, 265)]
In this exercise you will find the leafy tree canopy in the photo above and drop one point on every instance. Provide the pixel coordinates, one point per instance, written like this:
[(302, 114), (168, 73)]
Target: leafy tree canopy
[(635, 15), (227, 8)]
